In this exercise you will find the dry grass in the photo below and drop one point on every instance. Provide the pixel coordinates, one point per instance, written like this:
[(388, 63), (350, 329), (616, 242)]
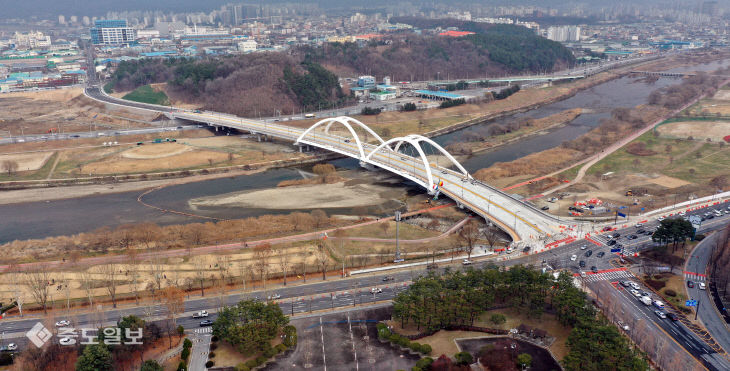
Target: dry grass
[(699, 130), (27, 161), (227, 356)]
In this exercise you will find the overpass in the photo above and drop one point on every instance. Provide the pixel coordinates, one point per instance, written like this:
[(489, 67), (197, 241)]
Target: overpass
[(527, 225)]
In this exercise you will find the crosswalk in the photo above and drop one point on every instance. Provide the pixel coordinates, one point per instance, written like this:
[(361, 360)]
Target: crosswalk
[(608, 276), (695, 276), (203, 330)]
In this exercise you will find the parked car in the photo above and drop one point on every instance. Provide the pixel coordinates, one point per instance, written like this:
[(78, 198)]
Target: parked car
[(584, 247), (466, 262), (594, 269), (545, 208), (600, 254), (589, 253), (573, 257), (622, 326), (632, 237), (63, 323), (582, 263), (206, 323), (67, 341), (201, 314), (9, 348), (611, 243)]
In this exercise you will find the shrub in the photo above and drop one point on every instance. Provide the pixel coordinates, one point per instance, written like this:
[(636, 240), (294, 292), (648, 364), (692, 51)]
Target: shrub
[(270, 352), (670, 292), (242, 367), (464, 358), (498, 318), (251, 363), (211, 355), (182, 366), (280, 348), (214, 338), (383, 331), (290, 336), (426, 349), (213, 346), (424, 363), (370, 111), (416, 347), (185, 354), (699, 237), (188, 344), (209, 364), (452, 103), (409, 107), (261, 360)]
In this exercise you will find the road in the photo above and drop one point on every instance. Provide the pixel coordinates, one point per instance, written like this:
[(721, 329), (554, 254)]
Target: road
[(695, 270)]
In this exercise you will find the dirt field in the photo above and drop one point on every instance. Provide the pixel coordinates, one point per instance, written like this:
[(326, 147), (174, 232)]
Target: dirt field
[(160, 150), (699, 130), (27, 161), (120, 163), (722, 95)]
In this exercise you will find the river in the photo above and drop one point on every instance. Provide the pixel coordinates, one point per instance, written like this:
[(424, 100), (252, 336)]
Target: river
[(70, 216)]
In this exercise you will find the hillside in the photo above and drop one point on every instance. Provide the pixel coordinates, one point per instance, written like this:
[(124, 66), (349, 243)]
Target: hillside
[(248, 85)]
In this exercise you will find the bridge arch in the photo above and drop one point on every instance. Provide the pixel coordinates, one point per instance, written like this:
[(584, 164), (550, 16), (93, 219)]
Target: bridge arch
[(345, 121), (415, 140)]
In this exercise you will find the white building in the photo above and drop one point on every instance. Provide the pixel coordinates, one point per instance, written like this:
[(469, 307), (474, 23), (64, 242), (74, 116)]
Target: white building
[(247, 46), (32, 40), (563, 33)]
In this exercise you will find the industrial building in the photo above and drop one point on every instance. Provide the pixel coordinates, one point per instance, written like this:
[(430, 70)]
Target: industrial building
[(112, 32)]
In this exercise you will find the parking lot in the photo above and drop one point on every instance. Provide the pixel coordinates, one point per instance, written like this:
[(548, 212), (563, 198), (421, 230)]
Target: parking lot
[(343, 341)]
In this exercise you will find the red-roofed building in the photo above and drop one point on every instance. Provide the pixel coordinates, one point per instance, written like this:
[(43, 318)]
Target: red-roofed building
[(369, 36), (456, 33)]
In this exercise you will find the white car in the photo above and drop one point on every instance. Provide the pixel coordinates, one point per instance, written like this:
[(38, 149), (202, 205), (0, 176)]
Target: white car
[(660, 218), (573, 257), (701, 285), (634, 285), (635, 293), (63, 323), (200, 314), (586, 246), (12, 346), (660, 314), (376, 290), (466, 262), (623, 326), (67, 341), (274, 296)]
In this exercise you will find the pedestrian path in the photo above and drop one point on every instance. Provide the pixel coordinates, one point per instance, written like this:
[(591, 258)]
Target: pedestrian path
[(609, 276), (694, 276)]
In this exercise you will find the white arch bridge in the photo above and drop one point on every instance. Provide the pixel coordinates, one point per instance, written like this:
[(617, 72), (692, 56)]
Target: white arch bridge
[(526, 224), (350, 137)]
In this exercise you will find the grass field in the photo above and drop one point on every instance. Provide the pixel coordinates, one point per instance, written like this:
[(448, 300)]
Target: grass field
[(145, 94)]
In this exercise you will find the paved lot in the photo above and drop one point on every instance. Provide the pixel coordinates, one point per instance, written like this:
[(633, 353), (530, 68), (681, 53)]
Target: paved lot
[(343, 341)]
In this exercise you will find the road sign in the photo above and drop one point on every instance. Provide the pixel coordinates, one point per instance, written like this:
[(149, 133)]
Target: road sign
[(690, 303), (615, 250)]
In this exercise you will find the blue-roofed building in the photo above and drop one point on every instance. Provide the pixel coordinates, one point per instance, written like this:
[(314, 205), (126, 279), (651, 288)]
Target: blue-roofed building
[(438, 94)]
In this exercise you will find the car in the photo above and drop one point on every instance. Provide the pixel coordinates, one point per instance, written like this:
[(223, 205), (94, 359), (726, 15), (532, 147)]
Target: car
[(63, 323), (690, 284), (582, 263), (589, 253), (273, 297), (600, 254), (12, 346), (640, 231), (67, 341), (444, 172), (660, 218), (584, 247), (701, 285), (376, 290), (644, 293), (594, 269), (622, 326), (673, 316), (606, 229), (179, 127), (634, 285), (388, 278), (635, 293), (573, 257), (616, 235), (583, 274), (611, 243), (660, 314), (710, 217), (632, 237), (545, 208), (347, 141), (205, 323), (200, 314), (625, 283), (75, 136), (466, 262)]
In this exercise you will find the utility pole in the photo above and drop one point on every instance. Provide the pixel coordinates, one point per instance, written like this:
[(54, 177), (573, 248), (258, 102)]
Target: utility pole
[(697, 310), (397, 242)]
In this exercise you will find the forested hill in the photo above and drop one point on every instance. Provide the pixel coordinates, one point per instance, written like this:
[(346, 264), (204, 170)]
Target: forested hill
[(257, 84)]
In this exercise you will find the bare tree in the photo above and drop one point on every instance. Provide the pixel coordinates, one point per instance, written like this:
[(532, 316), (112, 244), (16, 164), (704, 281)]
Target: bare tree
[(174, 300), (87, 283), (224, 268), (491, 236), (385, 226), (322, 256), (262, 254), (319, 218), (38, 281), (148, 233), (134, 272), (158, 271), (110, 274), (199, 267), (243, 271), (469, 234), (10, 166), (282, 259)]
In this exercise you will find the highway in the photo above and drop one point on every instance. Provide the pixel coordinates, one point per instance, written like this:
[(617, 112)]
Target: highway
[(708, 313)]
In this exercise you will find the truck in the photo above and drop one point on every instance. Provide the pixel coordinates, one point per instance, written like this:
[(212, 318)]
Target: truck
[(659, 304), (646, 300), (201, 314)]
